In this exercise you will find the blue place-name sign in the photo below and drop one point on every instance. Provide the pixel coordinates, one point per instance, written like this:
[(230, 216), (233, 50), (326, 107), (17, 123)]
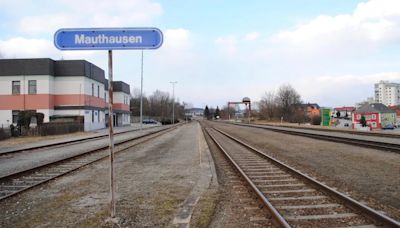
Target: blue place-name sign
[(108, 38)]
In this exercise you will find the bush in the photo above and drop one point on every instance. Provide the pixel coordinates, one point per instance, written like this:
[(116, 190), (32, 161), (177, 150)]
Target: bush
[(39, 118), (168, 121), (316, 120)]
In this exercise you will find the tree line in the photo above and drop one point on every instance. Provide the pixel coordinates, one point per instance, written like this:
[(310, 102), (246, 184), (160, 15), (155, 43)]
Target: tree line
[(157, 106), (285, 105)]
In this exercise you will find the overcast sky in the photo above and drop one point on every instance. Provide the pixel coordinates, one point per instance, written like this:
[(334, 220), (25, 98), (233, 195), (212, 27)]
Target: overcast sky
[(331, 51)]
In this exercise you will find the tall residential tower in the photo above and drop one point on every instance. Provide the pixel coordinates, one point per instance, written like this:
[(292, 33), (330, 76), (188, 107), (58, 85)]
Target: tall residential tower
[(387, 93)]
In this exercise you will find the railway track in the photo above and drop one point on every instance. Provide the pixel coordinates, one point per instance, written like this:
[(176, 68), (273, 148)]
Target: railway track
[(293, 198), (15, 183), (393, 147), (61, 143)]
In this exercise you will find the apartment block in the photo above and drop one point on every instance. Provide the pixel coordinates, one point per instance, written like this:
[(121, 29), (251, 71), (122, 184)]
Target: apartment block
[(387, 93), (63, 90)]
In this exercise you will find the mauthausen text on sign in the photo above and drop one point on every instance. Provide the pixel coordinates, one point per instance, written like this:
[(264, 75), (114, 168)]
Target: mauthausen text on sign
[(104, 39)]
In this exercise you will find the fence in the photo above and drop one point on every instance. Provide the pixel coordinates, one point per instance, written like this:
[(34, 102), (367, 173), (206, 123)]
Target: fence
[(5, 133), (162, 120), (54, 129)]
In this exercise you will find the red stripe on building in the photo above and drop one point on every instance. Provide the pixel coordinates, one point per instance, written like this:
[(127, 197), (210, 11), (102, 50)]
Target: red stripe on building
[(48, 101), (26, 102), (78, 100), (120, 106)]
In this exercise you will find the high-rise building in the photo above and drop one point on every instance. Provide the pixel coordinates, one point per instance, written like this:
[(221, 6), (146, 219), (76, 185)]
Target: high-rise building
[(387, 93)]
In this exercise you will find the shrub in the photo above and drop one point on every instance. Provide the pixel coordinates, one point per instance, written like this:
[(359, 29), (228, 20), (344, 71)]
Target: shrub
[(316, 120)]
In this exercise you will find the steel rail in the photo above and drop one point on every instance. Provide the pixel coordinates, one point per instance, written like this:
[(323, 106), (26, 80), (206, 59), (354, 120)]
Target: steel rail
[(277, 217), (385, 220), (358, 142), (64, 160), (337, 130)]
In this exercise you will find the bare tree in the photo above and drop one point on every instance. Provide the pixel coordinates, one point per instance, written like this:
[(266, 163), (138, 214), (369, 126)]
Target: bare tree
[(268, 106), (286, 99), (135, 102)]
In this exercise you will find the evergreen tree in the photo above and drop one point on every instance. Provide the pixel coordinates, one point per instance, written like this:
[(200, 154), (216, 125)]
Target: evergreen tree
[(363, 121), (216, 114), (206, 112)]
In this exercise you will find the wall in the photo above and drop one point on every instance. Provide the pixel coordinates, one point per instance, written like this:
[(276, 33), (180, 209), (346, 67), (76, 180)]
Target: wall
[(388, 118), (4, 116), (42, 101), (373, 119)]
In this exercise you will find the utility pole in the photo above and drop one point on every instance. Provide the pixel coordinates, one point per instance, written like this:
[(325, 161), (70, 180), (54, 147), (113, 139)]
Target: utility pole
[(173, 101), (141, 95)]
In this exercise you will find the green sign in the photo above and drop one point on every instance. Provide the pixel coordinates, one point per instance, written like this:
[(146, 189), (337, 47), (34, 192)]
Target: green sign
[(326, 116)]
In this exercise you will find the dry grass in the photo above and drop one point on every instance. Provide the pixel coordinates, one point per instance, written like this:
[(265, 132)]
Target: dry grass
[(205, 209)]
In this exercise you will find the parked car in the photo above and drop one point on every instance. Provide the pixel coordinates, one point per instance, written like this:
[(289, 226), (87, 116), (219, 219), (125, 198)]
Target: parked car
[(149, 121), (389, 127)]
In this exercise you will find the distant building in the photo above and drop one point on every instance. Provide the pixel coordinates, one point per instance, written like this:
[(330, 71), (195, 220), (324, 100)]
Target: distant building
[(387, 93), (377, 115), (343, 112), (341, 117), (64, 91), (191, 112), (369, 100), (310, 109), (397, 110)]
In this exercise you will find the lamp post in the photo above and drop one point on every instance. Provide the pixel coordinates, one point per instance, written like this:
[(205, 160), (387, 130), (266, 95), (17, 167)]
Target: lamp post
[(173, 101)]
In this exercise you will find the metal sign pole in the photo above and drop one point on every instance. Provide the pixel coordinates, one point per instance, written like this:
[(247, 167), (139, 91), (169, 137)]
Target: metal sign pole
[(110, 126), (104, 39), (141, 95)]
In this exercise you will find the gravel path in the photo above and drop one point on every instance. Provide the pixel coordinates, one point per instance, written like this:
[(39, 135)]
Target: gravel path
[(366, 174), (153, 181)]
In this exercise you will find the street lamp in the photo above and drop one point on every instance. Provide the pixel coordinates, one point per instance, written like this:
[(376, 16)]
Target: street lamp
[(173, 101)]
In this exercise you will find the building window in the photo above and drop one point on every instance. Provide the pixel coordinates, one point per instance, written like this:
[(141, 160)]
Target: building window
[(32, 88), (15, 116), (92, 89), (98, 91), (98, 116), (105, 96), (16, 87)]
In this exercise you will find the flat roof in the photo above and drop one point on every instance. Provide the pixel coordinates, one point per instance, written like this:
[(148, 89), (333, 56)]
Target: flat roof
[(47, 66)]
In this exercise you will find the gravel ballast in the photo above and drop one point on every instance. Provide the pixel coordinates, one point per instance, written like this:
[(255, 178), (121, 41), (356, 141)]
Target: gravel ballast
[(369, 175)]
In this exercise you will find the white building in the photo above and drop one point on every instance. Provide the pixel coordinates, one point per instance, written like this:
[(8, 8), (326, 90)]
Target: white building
[(387, 93), (64, 91), (121, 103)]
